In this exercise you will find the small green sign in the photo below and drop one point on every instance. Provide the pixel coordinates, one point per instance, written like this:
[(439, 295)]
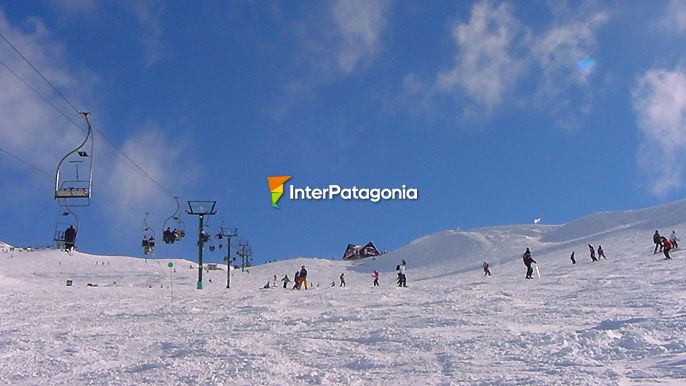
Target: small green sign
[(170, 264)]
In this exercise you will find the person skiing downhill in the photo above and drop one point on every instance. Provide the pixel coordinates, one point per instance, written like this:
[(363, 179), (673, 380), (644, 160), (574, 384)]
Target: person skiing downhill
[(487, 272), (657, 239), (601, 253), (572, 258), (667, 246), (527, 261), (342, 279), (674, 240), (590, 247), (375, 275), (285, 281)]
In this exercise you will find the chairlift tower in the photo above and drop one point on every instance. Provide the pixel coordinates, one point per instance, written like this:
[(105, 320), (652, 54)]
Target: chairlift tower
[(245, 252), (228, 233), (201, 209)]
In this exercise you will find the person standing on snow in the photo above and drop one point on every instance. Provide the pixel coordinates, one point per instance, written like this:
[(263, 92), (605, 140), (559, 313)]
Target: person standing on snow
[(285, 281), (601, 253), (375, 275), (342, 279), (590, 247), (403, 278), (303, 277), (657, 239), (572, 258), (674, 240), (487, 272), (296, 280), (667, 246), (527, 261)]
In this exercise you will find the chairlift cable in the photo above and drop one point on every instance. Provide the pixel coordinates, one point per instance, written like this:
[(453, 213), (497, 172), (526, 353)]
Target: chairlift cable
[(38, 72), (107, 140), (34, 167)]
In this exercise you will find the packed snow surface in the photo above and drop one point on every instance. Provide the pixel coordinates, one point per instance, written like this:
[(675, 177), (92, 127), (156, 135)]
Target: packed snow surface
[(616, 321)]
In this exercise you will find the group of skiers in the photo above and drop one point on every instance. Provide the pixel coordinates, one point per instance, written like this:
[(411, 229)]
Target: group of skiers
[(300, 278), (170, 236), (664, 244)]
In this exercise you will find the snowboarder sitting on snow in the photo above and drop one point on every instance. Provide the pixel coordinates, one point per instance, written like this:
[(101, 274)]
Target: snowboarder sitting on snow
[(657, 239), (375, 275), (590, 247), (667, 246), (342, 278), (266, 285), (572, 258), (674, 240), (527, 261), (601, 253), (487, 272), (285, 280)]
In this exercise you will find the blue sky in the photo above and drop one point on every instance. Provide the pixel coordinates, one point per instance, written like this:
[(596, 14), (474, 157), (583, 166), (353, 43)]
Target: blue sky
[(498, 112)]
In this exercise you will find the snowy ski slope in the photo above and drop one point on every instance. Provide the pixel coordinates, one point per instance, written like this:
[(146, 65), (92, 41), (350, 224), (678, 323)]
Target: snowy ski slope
[(616, 321)]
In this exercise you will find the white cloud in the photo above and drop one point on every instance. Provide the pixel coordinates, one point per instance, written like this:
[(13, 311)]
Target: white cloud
[(660, 103), (675, 16), (564, 51), (486, 66), (335, 43), (161, 158), (359, 25), (29, 127), (148, 14), (495, 52)]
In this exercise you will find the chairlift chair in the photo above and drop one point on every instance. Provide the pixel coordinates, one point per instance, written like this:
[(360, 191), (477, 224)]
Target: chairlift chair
[(74, 189), (174, 227), (148, 237), (63, 238)]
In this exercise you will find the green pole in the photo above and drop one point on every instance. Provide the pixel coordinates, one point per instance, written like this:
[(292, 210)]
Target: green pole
[(200, 245)]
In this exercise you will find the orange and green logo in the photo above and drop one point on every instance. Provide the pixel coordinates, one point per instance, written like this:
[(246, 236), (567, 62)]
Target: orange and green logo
[(276, 187)]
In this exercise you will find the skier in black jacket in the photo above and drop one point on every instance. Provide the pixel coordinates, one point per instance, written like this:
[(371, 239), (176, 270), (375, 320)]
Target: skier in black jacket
[(527, 261)]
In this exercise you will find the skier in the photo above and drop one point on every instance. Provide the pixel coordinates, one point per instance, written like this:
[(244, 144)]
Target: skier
[(375, 275), (303, 277), (601, 253), (590, 247), (342, 278), (285, 281), (403, 278), (487, 272), (168, 236), (674, 240), (296, 280), (527, 261), (657, 240), (667, 246), (572, 258), (274, 282)]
